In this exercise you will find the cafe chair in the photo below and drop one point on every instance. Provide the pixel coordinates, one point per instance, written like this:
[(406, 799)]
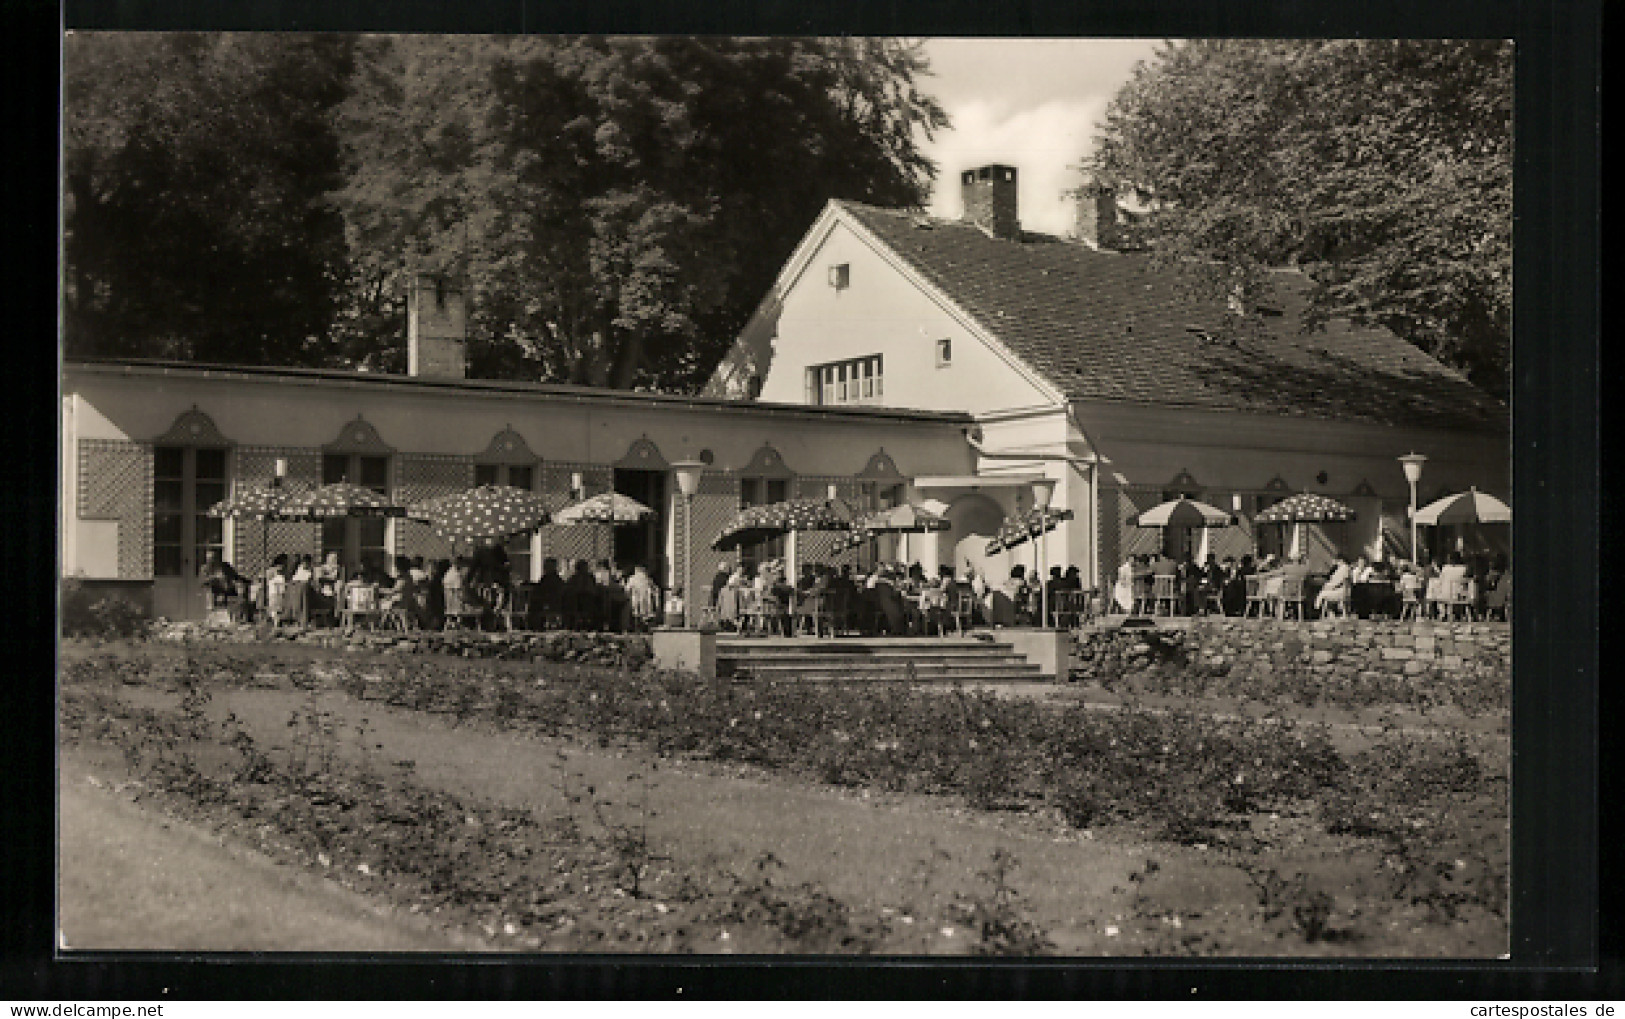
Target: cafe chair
[(963, 611), (1142, 596), (360, 606), (1463, 597), (1209, 600), (1162, 590), (1340, 603), (516, 605), (1410, 606), (1292, 595), (1497, 599), (1255, 597)]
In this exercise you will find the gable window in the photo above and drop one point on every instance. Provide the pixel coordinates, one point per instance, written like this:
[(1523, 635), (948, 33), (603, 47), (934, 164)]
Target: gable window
[(858, 381), (945, 352), (840, 276)]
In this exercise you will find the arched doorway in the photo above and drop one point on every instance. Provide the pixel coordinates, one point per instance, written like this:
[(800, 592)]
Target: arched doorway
[(975, 519)]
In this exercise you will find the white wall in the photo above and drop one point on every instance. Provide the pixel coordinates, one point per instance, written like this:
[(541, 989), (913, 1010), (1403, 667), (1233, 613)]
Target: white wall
[(883, 312)]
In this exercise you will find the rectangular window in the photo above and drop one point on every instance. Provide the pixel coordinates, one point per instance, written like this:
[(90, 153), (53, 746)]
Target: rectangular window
[(359, 541), (485, 474), (945, 352), (856, 381)]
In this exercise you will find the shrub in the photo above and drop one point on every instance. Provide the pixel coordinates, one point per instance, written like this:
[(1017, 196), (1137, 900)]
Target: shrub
[(108, 616)]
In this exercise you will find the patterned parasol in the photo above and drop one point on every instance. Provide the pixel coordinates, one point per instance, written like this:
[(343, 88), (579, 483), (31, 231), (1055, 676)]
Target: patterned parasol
[(339, 500), (905, 519), (487, 513), (258, 502), (1306, 508), (759, 523), (1470, 507), (608, 508), (1184, 513), (1024, 528)]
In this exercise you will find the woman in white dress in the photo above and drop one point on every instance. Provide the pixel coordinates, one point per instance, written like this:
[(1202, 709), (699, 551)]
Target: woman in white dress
[(1123, 591)]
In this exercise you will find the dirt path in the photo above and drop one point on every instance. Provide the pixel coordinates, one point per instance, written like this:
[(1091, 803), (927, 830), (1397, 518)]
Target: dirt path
[(133, 879)]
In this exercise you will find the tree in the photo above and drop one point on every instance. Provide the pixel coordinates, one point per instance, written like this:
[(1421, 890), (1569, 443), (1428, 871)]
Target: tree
[(195, 173), (1381, 168), (618, 206)]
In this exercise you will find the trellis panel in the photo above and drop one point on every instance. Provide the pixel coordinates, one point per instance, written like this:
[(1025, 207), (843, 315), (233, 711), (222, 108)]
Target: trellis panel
[(827, 547), (715, 505), (115, 483), (421, 477)]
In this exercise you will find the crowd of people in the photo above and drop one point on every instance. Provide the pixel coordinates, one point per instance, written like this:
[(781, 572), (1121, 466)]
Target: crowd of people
[(887, 598), (477, 591), (894, 599), (1482, 586)]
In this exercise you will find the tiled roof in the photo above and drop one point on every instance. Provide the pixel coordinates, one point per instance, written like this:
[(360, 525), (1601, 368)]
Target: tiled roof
[(1117, 326)]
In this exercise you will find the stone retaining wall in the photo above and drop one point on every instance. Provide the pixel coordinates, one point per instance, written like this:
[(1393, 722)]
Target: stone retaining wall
[(1352, 660)]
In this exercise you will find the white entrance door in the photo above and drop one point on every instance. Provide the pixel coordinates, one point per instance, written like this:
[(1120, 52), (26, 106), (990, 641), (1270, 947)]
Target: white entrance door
[(187, 480)]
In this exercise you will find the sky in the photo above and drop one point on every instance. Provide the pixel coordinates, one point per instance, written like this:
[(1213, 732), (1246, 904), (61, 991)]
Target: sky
[(1028, 103)]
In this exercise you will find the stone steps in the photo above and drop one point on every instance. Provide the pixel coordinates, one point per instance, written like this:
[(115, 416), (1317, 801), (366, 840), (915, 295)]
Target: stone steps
[(894, 659)]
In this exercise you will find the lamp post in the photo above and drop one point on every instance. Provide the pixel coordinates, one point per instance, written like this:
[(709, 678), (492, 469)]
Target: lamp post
[(688, 482), (1043, 490), (1412, 462)]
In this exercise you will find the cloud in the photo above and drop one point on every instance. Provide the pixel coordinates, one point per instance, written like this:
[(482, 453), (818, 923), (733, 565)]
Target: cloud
[(1045, 144)]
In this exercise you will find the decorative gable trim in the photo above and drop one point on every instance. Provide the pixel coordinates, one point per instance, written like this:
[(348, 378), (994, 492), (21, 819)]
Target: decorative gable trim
[(192, 428), (359, 436), (1183, 480), (881, 467), (1277, 484), (507, 447), (643, 455), (766, 462), (1364, 488)]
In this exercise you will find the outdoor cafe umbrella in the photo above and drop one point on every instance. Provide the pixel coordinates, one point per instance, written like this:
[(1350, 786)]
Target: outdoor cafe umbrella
[(1305, 508), (760, 523), (1029, 525), (491, 513), (1186, 513), (339, 500), (907, 518), (605, 508), (1469, 507), (257, 502)]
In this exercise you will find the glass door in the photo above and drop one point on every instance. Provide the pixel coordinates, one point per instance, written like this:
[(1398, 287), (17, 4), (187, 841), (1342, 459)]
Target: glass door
[(187, 480)]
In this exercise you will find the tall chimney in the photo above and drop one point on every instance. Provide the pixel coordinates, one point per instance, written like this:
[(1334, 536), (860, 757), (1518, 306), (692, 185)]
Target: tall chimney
[(1097, 224), (436, 328), (989, 195)]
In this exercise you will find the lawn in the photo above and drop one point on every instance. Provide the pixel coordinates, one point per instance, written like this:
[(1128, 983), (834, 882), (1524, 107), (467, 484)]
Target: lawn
[(553, 807)]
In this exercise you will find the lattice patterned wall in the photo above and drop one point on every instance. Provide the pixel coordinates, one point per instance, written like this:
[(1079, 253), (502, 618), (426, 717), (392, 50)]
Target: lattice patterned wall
[(256, 465), (115, 483), (820, 546), (1396, 531), (1133, 539), (568, 544), (715, 505), (419, 477)]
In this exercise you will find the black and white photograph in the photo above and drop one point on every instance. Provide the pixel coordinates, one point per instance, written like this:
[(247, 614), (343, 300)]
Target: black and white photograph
[(764, 496)]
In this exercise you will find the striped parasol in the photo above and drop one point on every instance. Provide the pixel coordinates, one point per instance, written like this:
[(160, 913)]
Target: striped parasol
[(338, 500), (1470, 507), (905, 519), (608, 508), (488, 513), (1184, 513), (1029, 525), (760, 523)]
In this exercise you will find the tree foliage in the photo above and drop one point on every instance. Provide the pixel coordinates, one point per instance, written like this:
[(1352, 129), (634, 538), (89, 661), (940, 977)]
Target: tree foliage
[(616, 205), (1383, 169), (195, 170)]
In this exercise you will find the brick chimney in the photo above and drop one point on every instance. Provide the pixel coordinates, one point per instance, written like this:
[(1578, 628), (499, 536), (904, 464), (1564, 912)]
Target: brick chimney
[(989, 195), (1097, 221), (436, 328)]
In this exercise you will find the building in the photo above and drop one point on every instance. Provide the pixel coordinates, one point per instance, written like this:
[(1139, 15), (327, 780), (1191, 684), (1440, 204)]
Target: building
[(1118, 377), (149, 446), (897, 358)]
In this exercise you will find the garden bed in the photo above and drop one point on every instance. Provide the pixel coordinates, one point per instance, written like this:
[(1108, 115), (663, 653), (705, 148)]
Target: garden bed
[(1263, 843)]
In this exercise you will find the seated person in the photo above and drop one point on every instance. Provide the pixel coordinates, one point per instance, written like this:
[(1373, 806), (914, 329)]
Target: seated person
[(1336, 590), (453, 588), (581, 599), (644, 597), (547, 599), (674, 608), (223, 583)]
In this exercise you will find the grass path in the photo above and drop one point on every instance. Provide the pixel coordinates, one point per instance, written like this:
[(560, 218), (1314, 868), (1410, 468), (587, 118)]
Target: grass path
[(134, 880)]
